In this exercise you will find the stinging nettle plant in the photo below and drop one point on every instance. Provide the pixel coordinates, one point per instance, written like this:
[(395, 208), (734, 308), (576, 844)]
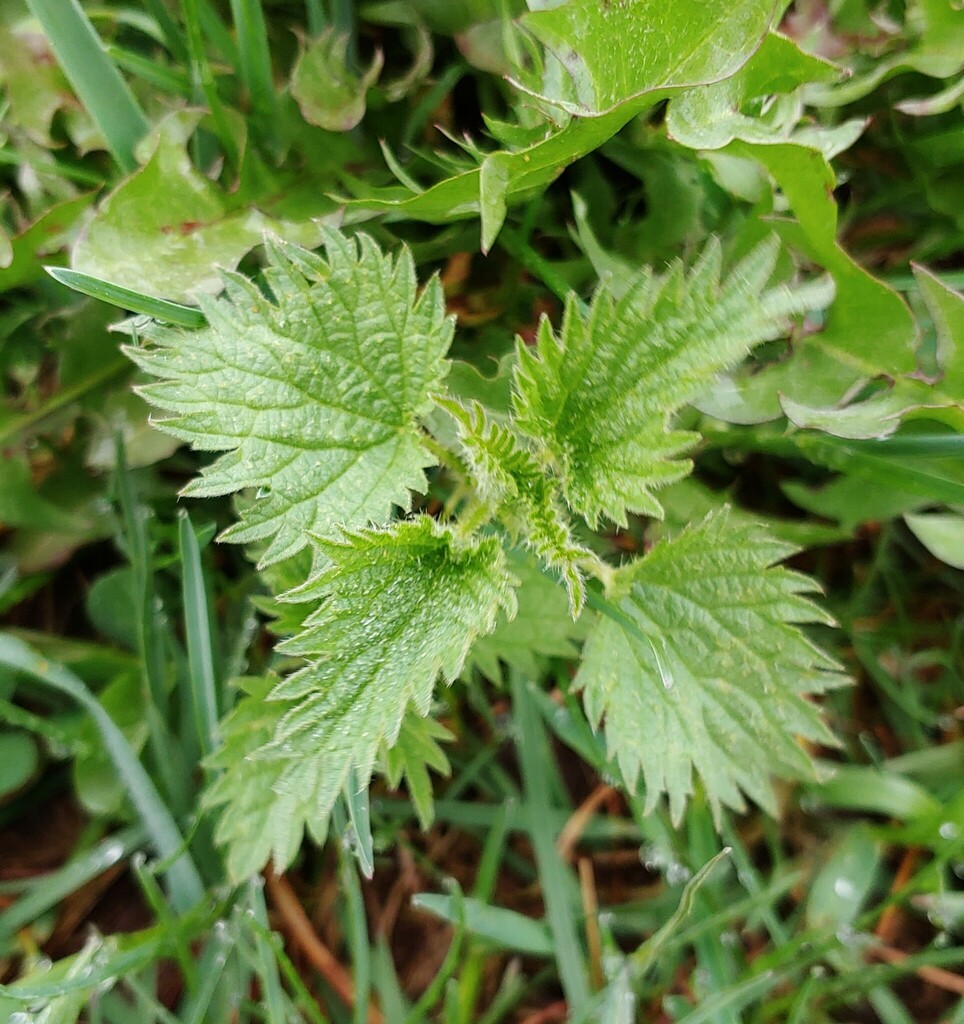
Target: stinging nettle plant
[(328, 395)]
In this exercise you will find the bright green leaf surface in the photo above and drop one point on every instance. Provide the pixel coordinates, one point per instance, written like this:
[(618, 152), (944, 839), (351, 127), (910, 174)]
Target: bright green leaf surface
[(598, 396), (712, 116), (946, 307), (667, 54), (315, 396), (703, 669), (658, 49), (400, 607)]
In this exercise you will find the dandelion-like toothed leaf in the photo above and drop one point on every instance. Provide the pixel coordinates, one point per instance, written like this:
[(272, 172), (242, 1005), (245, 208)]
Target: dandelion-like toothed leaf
[(523, 494), (314, 393), (701, 667), (399, 607), (599, 395)]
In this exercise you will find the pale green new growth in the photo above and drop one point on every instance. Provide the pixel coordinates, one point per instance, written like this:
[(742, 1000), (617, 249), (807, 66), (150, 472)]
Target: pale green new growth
[(598, 397), (701, 668), (522, 494), (314, 393), (399, 607)]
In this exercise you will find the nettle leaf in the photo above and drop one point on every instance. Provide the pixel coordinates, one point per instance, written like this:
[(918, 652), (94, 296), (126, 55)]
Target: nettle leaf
[(257, 823), (399, 607), (314, 393), (522, 494), (701, 668), (598, 396), (414, 752)]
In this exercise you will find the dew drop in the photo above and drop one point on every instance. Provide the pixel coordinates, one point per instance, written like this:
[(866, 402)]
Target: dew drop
[(844, 888), (948, 830)]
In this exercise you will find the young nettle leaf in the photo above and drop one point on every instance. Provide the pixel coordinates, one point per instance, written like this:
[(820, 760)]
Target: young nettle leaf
[(415, 751), (257, 823), (314, 391), (399, 607), (597, 398), (522, 494), (701, 667)]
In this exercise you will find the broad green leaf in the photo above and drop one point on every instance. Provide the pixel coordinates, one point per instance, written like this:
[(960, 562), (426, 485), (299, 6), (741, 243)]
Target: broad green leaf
[(942, 534), (854, 500), (518, 489), (313, 394), (869, 332), (701, 668), (415, 751), (658, 49), (878, 416), (327, 91), (256, 823), (597, 398), (399, 607), (712, 116), (668, 53), (869, 329), (167, 230), (542, 628)]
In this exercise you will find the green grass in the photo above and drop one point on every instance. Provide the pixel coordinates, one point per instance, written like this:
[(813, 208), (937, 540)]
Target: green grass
[(128, 625)]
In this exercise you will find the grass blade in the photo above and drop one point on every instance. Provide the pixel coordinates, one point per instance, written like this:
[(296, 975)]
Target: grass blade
[(197, 630), (93, 76), (127, 298), (255, 60), (50, 889), (536, 762), (204, 83), (186, 888)]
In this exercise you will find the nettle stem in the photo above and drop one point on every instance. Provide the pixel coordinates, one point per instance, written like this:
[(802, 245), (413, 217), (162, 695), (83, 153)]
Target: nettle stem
[(602, 571)]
